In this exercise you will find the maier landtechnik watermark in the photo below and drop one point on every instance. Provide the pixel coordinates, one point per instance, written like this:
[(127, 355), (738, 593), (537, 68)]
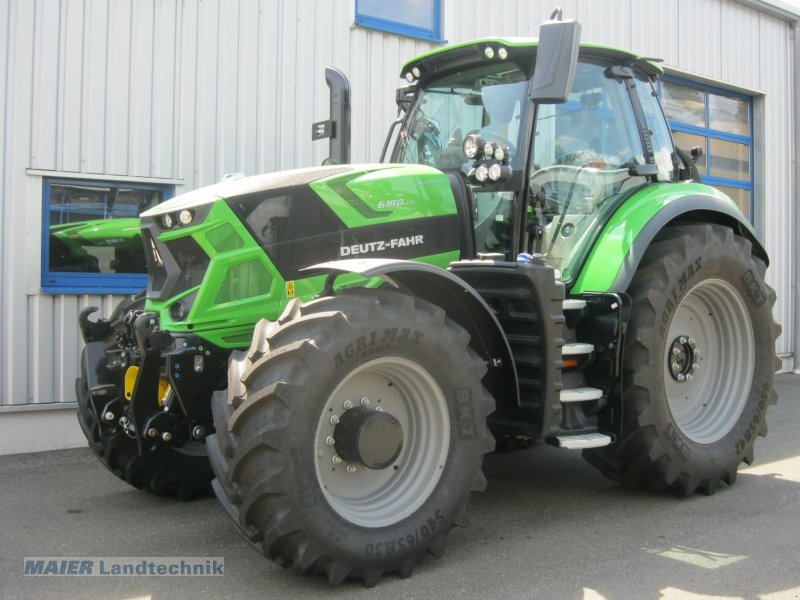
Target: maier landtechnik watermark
[(142, 566)]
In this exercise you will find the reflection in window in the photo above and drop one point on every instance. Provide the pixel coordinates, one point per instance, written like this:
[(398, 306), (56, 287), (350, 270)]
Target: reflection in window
[(719, 122), (730, 160), (729, 114), (683, 103), (687, 141), (95, 228)]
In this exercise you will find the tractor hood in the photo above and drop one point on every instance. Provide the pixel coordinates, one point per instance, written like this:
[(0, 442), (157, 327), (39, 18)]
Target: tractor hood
[(221, 257), (249, 185)]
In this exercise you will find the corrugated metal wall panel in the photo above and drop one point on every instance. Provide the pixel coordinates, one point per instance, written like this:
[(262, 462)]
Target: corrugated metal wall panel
[(194, 89), (5, 150), (655, 29), (776, 77), (95, 65), (19, 108), (740, 43), (606, 22), (117, 143), (699, 37), (163, 130)]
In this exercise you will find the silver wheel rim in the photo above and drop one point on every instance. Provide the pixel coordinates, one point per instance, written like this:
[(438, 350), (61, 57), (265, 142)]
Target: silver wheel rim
[(381, 497), (716, 362)]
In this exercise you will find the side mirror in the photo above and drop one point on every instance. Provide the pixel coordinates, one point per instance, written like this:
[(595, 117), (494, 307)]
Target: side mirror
[(556, 59)]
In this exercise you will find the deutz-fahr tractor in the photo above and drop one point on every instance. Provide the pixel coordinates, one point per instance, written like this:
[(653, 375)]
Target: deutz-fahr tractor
[(335, 349)]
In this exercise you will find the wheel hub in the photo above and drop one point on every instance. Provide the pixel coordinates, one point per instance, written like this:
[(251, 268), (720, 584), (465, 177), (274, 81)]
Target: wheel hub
[(368, 437), (683, 358)]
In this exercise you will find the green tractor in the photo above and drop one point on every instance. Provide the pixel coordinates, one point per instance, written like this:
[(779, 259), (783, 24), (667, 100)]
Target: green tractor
[(335, 349)]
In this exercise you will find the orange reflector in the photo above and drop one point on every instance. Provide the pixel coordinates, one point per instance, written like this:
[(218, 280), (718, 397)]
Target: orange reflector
[(570, 363)]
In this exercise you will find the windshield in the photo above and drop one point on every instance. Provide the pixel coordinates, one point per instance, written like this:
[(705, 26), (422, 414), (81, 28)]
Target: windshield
[(487, 99)]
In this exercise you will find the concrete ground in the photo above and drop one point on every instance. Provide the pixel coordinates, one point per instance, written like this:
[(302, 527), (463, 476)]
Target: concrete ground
[(548, 526)]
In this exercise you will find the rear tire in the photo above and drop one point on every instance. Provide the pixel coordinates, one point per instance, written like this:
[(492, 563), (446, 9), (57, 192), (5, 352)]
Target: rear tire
[(698, 365), (277, 444)]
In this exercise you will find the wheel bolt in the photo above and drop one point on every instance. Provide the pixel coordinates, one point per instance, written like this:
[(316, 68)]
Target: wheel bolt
[(695, 366), (152, 432), (697, 353), (337, 460), (676, 367), (348, 405), (329, 441), (109, 416), (681, 377), (365, 401), (199, 432), (683, 340), (334, 419), (166, 436), (689, 377), (351, 468), (378, 409), (675, 351)]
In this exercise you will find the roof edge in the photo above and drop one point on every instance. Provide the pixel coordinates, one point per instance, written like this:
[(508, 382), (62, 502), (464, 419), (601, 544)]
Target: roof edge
[(776, 8)]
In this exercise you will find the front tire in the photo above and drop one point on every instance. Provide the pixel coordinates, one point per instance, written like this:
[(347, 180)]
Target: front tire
[(698, 365), (164, 471), (312, 474)]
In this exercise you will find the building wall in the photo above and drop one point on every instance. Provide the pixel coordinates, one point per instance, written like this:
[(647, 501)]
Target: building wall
[(186, 91)]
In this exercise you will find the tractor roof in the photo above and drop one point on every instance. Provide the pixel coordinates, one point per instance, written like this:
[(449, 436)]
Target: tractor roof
[(458, 55)]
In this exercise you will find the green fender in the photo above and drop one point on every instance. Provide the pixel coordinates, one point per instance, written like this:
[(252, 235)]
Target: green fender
[(626, 236)]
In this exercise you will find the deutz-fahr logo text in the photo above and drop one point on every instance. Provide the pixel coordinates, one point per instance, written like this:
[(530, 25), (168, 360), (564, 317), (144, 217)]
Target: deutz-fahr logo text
[(381, 245)]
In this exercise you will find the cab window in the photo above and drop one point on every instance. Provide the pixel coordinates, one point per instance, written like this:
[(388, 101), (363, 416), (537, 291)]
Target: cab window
[(581, 156)]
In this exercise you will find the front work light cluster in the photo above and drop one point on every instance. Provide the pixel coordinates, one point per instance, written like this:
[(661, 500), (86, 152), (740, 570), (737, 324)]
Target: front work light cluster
[(184, 217), (491, 160)]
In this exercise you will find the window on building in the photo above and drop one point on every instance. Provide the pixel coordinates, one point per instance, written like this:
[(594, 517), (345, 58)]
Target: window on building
[(720, 123), (91, 240), (414, 18)]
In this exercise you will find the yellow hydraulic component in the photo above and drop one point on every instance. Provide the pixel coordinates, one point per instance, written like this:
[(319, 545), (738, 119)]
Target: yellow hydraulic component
[(130, 382)]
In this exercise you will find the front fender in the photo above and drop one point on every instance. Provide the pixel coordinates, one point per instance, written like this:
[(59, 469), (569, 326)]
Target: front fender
[(458, 299), (626, 236)]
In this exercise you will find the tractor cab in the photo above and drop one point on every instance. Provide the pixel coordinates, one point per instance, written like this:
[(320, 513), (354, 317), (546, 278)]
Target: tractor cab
[(540, 176)]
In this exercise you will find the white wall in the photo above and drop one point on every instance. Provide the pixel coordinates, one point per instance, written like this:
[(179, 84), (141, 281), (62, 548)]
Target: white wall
[(190, 90)]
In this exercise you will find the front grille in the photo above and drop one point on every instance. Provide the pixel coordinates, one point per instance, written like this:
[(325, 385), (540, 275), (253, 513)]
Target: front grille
[(174, 266)]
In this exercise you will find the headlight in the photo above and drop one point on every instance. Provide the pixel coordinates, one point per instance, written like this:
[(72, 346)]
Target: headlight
[(410, 77), (177, 312), (495, 172), (488, 150), (415, 72), (502, 53), (185, 217), (499, 153), (472, 145), (489, 52), (167, 221), (482, 173)]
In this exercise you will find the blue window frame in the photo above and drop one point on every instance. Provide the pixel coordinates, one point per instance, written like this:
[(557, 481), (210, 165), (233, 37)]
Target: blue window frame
[(413, 18), (721, 123), (91, 241)]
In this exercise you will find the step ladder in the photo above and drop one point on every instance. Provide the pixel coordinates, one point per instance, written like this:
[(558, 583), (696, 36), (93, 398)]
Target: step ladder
[(583, 441)]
